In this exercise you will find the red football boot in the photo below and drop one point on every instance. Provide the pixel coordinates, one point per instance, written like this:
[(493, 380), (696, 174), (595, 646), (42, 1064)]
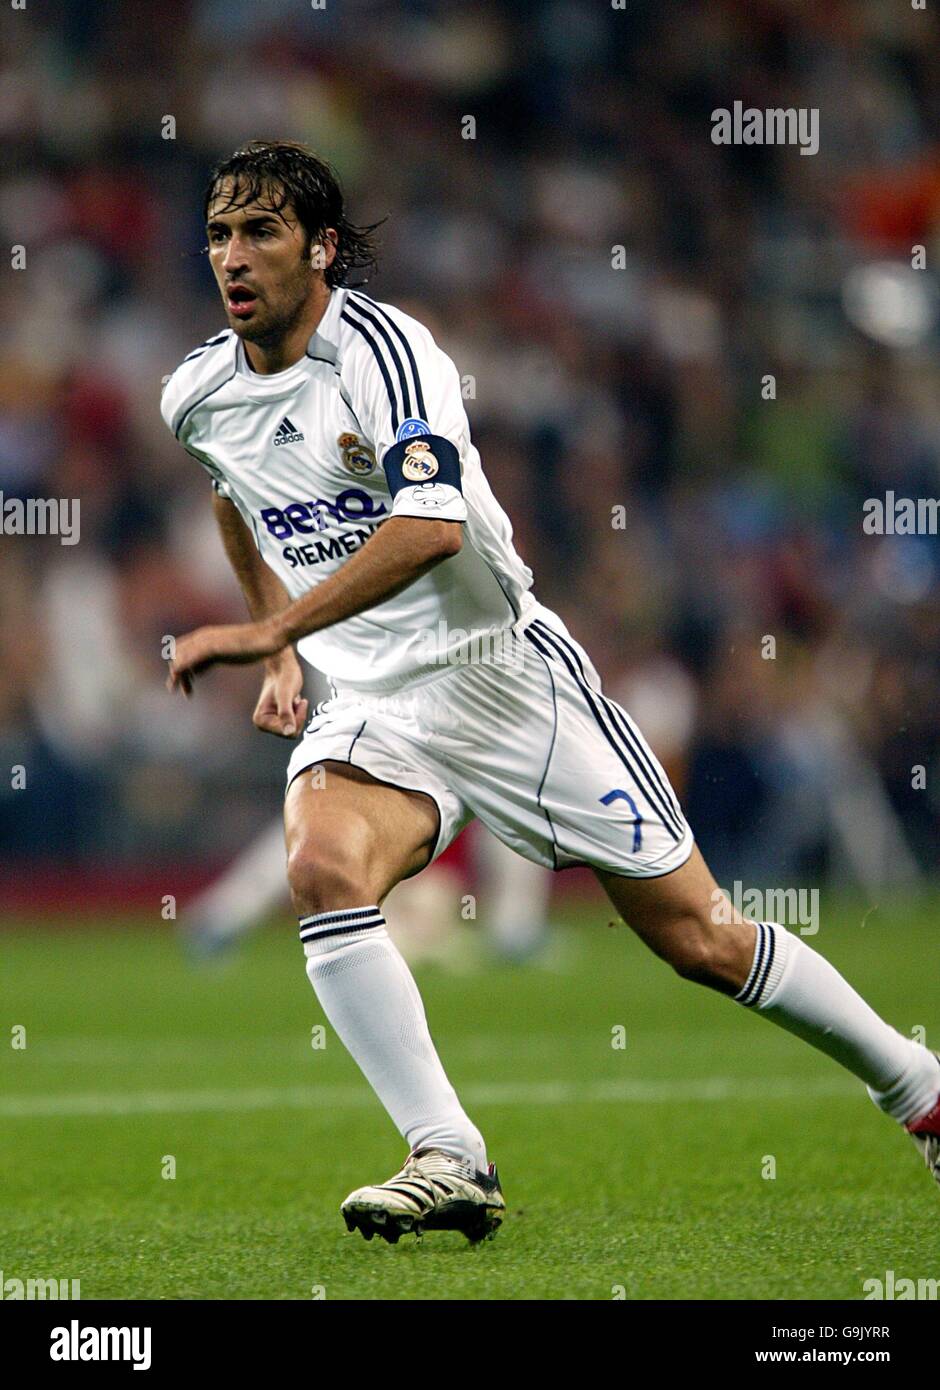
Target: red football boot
[(926, 1135)]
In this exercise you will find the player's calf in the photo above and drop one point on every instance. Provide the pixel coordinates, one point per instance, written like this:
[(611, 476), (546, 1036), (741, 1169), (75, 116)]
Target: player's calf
[(676, 916), (715, 955)]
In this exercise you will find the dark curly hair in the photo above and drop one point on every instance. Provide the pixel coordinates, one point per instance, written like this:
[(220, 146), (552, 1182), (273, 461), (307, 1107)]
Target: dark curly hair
[(277, 172)]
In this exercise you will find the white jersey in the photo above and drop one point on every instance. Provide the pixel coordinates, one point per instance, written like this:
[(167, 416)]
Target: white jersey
[(368, 424)]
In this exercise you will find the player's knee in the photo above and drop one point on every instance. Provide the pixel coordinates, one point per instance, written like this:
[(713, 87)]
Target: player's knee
[(328, 869)]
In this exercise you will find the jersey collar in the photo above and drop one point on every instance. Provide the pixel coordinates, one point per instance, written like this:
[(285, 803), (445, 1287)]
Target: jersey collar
[(322, 346)]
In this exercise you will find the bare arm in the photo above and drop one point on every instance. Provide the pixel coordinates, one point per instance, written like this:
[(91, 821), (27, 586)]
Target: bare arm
[(264, 592), (281, 708), (401, 551)]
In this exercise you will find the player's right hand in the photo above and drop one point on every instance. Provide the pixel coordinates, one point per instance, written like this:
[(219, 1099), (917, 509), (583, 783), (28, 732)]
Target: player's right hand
[(281, 707)]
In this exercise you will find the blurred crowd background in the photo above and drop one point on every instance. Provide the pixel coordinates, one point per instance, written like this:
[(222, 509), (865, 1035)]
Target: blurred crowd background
[(597, 379)]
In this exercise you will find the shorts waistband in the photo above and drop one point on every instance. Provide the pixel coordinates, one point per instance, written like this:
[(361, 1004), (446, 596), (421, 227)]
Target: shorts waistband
[(408, 681), (502, 638)]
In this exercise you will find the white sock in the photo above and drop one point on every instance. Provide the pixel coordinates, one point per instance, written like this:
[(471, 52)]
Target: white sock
[(369, 996), (799, 990)]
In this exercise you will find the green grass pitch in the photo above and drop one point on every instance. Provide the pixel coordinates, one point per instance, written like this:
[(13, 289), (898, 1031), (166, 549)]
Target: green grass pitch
[(634, 1170)]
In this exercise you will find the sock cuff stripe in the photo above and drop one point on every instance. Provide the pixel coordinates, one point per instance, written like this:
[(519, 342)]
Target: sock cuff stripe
[(768, 964), (747, 994), (341, 914), (351, 927), (783, 943), (770, 959)]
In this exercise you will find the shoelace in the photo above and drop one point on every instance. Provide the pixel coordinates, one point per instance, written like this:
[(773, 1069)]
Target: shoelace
[(430, 1171), (432, 1161)]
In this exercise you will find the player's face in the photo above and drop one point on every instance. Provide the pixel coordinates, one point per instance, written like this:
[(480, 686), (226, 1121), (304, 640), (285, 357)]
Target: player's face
[(259, 261)]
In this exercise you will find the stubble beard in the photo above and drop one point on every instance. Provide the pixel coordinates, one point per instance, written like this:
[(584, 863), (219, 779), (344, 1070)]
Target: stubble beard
[(268, 330)]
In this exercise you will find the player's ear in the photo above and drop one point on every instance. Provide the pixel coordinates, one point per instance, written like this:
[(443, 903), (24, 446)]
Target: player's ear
[(323, 252)]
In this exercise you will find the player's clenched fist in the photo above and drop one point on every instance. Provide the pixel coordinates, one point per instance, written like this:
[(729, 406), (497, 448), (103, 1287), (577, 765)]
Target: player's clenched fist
[(281, 708)]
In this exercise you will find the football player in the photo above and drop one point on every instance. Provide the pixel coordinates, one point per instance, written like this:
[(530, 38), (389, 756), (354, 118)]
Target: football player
[(358, 519)]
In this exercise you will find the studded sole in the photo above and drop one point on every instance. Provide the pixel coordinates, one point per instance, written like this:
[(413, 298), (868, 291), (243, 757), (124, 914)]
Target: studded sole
[(476, 1223)]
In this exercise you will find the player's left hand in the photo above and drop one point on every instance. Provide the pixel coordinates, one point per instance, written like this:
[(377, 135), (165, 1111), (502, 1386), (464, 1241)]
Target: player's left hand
[(238, 644)]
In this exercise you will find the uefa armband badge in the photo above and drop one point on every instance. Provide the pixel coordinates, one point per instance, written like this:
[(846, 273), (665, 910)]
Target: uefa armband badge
[(410, 427), (358, 458), (419, 462), (431, 495)]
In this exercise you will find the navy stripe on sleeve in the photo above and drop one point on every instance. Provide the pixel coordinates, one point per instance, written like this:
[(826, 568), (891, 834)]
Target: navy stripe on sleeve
[(386, 354), (377, 308), (377, 354)]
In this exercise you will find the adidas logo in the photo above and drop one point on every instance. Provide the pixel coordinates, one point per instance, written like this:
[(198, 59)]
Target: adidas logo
[(287, 433)]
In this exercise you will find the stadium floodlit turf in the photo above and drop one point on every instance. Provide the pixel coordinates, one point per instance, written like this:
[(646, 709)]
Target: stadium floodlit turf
[(636, 1170)]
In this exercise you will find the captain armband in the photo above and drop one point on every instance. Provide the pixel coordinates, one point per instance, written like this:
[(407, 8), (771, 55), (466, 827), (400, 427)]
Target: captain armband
[(424, 478)]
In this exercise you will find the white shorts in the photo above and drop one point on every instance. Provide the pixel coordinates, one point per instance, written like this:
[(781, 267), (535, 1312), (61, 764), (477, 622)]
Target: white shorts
[(525, 740)]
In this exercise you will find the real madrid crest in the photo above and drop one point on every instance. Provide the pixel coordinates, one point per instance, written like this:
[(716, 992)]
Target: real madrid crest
[(357, 457), (419, 463)]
